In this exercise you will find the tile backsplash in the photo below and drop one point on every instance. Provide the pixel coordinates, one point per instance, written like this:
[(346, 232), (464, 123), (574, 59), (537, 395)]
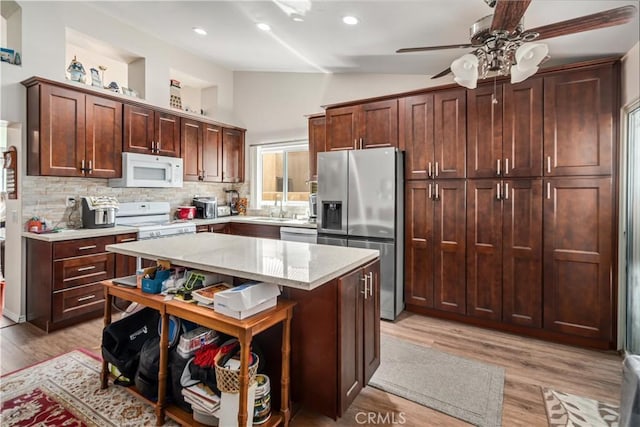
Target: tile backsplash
[(45, 196)]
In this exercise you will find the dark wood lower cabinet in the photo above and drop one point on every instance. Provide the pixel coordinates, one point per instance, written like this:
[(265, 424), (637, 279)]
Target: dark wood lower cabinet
[(504, 258), (336, 332), (578, 285), (63, 280), (255, 230), (435, 244), (125, 265)]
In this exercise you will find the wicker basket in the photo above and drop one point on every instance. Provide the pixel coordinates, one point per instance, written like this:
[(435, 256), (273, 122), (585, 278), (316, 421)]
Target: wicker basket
[(228, 380)]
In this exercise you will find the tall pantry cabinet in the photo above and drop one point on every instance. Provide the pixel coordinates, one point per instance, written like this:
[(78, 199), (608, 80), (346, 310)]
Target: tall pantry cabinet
[(531, 245)]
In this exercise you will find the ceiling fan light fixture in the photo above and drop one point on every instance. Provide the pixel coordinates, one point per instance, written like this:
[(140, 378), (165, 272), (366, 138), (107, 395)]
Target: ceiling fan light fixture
[(465, 70), (530, 55), (519, 75)]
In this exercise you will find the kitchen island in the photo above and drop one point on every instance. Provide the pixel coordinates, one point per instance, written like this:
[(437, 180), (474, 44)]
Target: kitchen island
[(335, 329)]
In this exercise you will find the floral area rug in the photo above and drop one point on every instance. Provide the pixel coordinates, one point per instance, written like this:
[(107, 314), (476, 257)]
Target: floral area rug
[(65, 391), (564, 409)]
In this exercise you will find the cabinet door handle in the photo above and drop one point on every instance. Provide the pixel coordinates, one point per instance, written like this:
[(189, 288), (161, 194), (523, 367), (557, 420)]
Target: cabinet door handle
[(91, 267), (88, 297), (437, 169), (90, 166), (371, 283), (82, 168), (131, 239), (429, 170), (548, 164), (355, 143), (506, 191), (548, 190), (506, 166), (430, 193), (498, 191), (437, 195), (364, 278), (498, 167), (158, 146), (361, 145), (84, 248)]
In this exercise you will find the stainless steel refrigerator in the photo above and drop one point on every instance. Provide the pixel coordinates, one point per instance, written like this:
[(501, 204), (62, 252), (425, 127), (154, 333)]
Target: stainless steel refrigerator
[(361, 204)]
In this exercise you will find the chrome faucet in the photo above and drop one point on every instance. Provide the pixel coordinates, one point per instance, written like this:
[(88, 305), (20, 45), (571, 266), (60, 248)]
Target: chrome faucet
[(281, 212)]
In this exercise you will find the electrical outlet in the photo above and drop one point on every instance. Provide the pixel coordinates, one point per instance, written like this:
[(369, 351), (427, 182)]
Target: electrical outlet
[(70, 202)]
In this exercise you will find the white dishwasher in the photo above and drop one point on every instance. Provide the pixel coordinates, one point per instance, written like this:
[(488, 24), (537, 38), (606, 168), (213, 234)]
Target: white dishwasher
[(299, 234)]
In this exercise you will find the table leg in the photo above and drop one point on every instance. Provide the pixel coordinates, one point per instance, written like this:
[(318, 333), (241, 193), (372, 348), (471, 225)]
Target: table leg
[(245, 357), (104, 374), (162, 373), (284, 377)]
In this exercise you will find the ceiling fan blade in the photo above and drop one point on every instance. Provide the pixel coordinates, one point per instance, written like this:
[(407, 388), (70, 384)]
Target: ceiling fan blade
[(507, 14), (442, 73), (608, 18), (427, 48)]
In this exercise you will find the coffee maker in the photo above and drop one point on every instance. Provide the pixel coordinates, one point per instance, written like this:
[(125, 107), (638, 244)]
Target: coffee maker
[(99, 212), (232, 201)]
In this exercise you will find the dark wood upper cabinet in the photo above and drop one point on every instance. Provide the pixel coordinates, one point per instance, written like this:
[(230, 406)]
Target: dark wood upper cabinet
[(579, 116), (369, 125), (504, 250), (191, 149), (72, 134), (317, 143), (103, 136), (232, 155), (435, 244), (212, 153), (148, 131), (505, 130), (578, 245), (449, 133), (201, 148), (434, 132)]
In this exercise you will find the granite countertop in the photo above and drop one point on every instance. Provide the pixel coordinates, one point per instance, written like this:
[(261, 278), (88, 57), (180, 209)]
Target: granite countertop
[(83, 233), (295, 264)]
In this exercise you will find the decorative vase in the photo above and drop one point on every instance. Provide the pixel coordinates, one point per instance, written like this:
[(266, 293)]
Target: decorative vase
[(76, 71)]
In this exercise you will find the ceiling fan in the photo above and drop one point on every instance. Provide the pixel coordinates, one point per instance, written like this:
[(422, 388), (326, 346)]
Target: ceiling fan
[(502, 46)]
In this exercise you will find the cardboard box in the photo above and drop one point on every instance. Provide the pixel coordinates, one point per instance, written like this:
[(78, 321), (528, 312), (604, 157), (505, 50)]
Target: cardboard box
[(243, 314), (245, 296)]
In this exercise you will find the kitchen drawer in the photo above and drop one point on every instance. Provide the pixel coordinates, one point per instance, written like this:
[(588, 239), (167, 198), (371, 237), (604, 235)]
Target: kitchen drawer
[(77, 301), (220, 228), (78, 271), (255, 230), (80, 247)]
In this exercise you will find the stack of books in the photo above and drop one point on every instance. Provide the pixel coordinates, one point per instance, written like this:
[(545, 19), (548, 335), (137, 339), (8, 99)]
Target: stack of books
[(202, 399)]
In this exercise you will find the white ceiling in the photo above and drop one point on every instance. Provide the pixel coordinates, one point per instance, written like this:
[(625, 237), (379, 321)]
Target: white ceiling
[(322, 43)]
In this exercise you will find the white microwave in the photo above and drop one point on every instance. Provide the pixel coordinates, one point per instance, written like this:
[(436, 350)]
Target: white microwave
[(147, 170)]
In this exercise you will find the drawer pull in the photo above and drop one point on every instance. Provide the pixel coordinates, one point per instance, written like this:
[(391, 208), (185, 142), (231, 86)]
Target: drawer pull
[(91, 267), (131, 239), (84, 248), (87, 298)]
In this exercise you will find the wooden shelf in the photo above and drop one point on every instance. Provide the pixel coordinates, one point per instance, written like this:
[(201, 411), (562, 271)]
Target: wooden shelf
[(244, 330)]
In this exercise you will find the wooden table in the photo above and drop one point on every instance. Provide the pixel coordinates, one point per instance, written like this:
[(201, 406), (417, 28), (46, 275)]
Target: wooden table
[(244, 330)]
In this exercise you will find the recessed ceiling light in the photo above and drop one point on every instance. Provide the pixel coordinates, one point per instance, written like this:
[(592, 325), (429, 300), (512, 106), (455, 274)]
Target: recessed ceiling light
[(297, 17), (350, 20), (263, 26), (200, 31)]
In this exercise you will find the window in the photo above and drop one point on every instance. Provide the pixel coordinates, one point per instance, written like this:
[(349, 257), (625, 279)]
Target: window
[(633, 230), (282, 173)]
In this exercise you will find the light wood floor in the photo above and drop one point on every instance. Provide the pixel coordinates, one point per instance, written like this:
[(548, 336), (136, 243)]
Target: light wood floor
[(529, 364)]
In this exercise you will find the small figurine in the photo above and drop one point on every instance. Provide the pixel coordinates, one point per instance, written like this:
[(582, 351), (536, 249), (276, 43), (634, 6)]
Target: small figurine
[(95, 78), (113, 86), (76, 71)]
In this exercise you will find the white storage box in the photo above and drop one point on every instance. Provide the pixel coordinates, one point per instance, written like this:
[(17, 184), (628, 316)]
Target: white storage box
[(243, 314), (245, 296), (229, 405)]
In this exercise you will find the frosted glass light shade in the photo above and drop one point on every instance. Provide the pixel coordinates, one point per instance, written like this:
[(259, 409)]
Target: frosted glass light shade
[(465, 71)]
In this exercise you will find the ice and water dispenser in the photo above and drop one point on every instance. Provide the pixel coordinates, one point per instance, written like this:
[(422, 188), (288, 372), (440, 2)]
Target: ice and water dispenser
[(331, 215)]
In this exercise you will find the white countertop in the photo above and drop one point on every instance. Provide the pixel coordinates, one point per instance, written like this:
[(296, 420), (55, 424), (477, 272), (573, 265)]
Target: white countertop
[(294, 264), (83, 233), (80, 233)]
